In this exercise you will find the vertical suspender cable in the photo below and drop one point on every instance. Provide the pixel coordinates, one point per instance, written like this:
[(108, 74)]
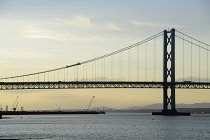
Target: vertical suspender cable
[(83, 72), (207, 63), (74, 73), (104, 69), (199, 62), (71, 74), (95, 70), (146, 61), (58, 75), (183, 58), (191, 59), (121, 66), (155, 59), (137, 63), (113, 66), (77, 72), (86, 70), (64, 77), (128, 65), (92, 70), (67, 74)]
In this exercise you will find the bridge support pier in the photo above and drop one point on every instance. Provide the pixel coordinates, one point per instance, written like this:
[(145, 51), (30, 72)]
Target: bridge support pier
[(169, 105)]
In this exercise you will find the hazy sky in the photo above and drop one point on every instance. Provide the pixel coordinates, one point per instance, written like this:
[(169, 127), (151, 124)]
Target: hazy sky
[(37, 35)]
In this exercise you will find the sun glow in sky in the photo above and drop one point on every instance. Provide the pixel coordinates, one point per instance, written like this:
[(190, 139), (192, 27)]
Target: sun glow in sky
[(38, 35)]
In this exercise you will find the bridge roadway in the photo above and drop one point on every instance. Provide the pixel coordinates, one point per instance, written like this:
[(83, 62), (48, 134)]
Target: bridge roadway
[(98, 84)]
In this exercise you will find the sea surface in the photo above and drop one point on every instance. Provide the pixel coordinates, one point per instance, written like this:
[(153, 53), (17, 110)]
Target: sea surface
[(113, 126)]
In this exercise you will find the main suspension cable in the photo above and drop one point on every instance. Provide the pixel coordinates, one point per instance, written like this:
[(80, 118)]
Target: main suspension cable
[(193, 38), (124, 49), (193, 43)]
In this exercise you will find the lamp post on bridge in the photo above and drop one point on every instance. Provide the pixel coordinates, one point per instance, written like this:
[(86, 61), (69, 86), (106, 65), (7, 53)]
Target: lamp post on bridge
[(169, 104)]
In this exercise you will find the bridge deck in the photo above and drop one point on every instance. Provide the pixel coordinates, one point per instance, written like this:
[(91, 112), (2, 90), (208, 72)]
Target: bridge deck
[(98, 84)]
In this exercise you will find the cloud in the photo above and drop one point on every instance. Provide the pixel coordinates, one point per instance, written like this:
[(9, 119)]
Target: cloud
[(23, 53), (113, 27), (153, 24), (36, 33), (80, 21), (87, 22), (61, 30), (53, 35), (68, 37)]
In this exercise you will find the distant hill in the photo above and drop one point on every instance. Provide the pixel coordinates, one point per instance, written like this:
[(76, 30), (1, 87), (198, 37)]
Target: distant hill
[(102, 108), (157, 106), (132, 108), (160, 106), (196, 105)]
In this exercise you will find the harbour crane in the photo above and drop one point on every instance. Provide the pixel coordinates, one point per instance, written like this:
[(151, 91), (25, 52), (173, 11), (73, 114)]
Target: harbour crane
[(90, 103), (15, 104)]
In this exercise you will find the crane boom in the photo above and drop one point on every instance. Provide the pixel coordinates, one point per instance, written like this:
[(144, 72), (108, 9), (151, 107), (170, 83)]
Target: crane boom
[(15, 104), (90, 103), (15, 101)]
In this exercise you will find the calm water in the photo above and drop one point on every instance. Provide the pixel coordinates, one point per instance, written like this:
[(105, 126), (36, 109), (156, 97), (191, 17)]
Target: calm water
[(106, 127)]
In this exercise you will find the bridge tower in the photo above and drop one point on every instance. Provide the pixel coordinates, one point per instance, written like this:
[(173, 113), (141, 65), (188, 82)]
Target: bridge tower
[(169, 71), (169, 104)]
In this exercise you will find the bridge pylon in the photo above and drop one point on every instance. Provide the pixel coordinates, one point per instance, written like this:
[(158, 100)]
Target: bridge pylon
[(169, 104)]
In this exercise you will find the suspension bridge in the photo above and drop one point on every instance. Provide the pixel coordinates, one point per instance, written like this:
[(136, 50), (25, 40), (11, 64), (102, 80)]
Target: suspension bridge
[(146, 64)]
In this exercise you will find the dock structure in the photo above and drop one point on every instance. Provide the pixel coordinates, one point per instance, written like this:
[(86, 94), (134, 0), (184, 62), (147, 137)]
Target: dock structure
[(49, 112)]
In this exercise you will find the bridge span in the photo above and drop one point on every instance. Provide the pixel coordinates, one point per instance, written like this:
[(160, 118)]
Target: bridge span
[(99, 84)]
